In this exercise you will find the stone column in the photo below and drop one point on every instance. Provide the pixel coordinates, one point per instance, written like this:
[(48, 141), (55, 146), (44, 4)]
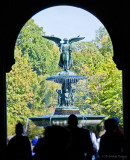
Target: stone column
[(3, 112), (126, 105)]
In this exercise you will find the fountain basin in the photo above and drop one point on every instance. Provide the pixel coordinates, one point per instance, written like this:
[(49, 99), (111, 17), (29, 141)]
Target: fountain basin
[(63, 76), (83, 120)]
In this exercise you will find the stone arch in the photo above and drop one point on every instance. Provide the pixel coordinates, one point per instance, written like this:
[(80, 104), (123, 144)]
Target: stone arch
[(93, 8), (14, 16)]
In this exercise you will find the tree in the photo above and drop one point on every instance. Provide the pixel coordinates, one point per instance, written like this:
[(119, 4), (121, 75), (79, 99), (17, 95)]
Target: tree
[(22, 86), (103, 42), (36, 58), (43, 54), (104, 79)]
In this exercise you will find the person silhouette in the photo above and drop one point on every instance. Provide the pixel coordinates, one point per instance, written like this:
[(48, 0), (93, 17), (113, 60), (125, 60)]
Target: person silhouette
[(112, 143), (19, 147), (81, 141), (54, 145)]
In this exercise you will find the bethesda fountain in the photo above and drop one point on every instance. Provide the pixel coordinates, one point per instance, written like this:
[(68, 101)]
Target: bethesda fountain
[(66, 93)]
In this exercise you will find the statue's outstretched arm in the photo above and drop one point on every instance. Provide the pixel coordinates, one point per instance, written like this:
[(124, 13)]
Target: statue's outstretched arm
[(54, 39)]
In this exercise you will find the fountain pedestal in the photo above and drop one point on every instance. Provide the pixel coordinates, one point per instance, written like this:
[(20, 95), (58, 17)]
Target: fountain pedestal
[(65, 105), (66, 95), (66, 110)]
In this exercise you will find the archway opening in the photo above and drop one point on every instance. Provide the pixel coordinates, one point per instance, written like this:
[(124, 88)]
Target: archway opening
[(36, 58)]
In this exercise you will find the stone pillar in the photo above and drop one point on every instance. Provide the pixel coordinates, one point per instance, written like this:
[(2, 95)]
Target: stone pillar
[(126, 105), (3, 117)]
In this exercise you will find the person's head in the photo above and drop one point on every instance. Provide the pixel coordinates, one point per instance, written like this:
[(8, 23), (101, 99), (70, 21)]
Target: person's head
[(19, 129), (116, 119), (72, 120), (110, 125), (65, 40)]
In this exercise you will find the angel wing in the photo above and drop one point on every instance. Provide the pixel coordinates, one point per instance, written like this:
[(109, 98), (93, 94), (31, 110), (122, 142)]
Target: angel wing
[(76, 39), (55, 39)]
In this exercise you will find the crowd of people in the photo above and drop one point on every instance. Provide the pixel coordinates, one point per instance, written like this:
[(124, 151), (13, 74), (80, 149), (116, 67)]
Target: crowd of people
[(70, 143)]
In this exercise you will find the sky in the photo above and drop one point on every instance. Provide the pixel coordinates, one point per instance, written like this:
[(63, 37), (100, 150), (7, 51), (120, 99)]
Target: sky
[(67, 22)]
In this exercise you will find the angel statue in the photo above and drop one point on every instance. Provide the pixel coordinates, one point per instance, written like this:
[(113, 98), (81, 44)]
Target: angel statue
[(66, 60)]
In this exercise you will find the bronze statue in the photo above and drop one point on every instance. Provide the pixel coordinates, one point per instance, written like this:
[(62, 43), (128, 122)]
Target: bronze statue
[(59, 97), (66, 60)]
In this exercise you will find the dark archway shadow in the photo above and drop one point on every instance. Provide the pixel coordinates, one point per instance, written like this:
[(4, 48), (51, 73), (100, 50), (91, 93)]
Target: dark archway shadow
[(115, 17), (20, 14)]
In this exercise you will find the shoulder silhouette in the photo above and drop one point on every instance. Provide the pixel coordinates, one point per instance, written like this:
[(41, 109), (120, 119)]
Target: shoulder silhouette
[(112, 142), (54, 144), (19, 147), (81, 141)]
